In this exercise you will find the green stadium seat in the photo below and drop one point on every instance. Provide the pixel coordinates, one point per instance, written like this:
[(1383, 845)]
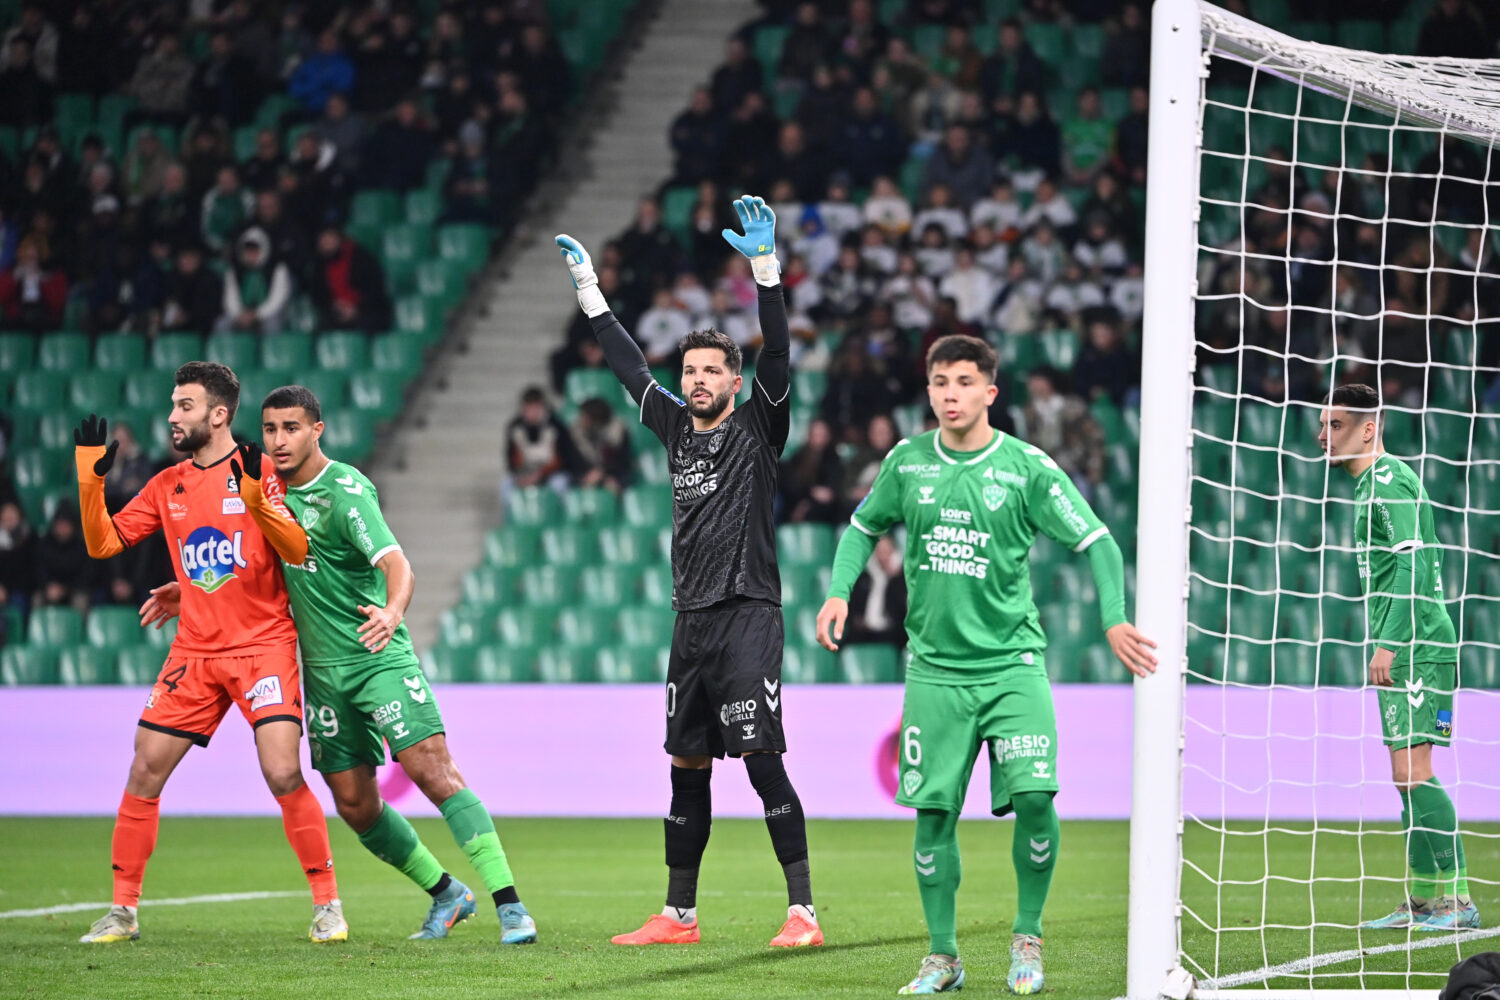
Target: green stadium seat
[(120, 352), (55, 429), (801, 584), (1479, 667), (397, 352), (465, 626), (770, 39), (651, 464), (585, 383), (24, 664), (547, 587), (607, 586), (870, 663), (423, 207), (41, 390), (450, 664), (416, 314), (631, 665), (466, 244), (513, 546), (95, 391), (567, 664), (63, 352), (377, 394), (803, 664), (647, 507), (160, 638), (40, 467), (113, 627), (148, 390), (240, 351), (656, 585), (171, 351), (443, 281), (537, 505), (405, 244), (343, 350), (677, 211), (489, 586), (591, 505), (331, 386), (17, 352), (585, 625), (522, 627), (290, 352), (138, 665), (569, 545), (374, 208), (645, 626), (86, 665), (505, 664), (805, 543)]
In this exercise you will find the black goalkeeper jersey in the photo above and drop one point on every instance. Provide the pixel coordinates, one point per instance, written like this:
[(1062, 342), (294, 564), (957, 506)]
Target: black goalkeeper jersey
[(723, 480), (723, 497)]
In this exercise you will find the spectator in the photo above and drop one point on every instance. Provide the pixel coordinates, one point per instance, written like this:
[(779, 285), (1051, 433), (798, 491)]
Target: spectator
[(132, 468), (580, 347), (806, 167), (1061, 425), (1088, 138), (345, 131), (40, 36), (877, 253), (824, 105), (289, 242), (523, 139), (650, 254), (661, 328), (934, 252), (539, 450), (146, 289), (539, 61), (806, 47), (1452, 29), (224, 87), (207, 150), (877, 604), (64, 571), (848, 287), (318, 182), (1044, 253), (910, 294), (225, 210), (737, 76), (1106, 367), (262, 171), (256, 288), (32, 296), (814, 243), (962, 166), (697, 140), (858, 388), (898, 77), (161, 83), (1107, 199), (1126, 59), (888, 208), (864, 39), (388, 61), (10, 238), (603, 444), (862, 468), (941, 212), (970, 286), (145, 167), (406, 143), (750, 145), (18, 559), (811, 479), (870, 141), (323, 73), (1099, 250), (1011, 69), (84, 46), (25, 97), (195, 294), (959, 59), (348, 287), (1031, 137), (1130, 137), (466, 190), (170, 214), (999, 211)]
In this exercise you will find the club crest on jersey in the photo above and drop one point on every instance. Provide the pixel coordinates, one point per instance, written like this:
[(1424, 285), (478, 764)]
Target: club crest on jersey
[(310, 517), (209, 557), (994, 496), (230, 484)]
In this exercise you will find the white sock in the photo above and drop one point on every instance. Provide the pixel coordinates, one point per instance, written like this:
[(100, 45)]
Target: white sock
[(681, 914), (804, 910)]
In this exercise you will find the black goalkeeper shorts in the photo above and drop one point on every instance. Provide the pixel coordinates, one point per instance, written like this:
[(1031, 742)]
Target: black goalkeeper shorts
[(724, 682)]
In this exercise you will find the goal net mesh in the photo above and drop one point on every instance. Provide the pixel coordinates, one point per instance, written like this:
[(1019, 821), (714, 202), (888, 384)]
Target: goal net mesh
[(1348, 231)]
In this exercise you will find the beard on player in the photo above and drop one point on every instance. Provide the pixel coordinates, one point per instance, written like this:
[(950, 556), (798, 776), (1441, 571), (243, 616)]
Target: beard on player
[(706, 406), (189, 437)]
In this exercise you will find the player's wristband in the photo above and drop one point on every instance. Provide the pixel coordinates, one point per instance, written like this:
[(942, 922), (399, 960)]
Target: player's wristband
[(591, 300), (767, 270)]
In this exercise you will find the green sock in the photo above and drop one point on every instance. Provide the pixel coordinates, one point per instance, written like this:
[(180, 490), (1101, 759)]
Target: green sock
[(1034, 852), (393, 841), (935, 853), (1433, 809), (472, 827), (1419, 859)]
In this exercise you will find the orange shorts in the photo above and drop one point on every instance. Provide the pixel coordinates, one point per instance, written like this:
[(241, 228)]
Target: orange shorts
[(192, 693)]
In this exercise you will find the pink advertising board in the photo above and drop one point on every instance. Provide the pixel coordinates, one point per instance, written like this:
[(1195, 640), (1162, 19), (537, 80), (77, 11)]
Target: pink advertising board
[(595, 750)]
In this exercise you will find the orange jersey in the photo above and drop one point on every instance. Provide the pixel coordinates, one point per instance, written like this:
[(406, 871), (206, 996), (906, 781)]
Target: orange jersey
[(234, 599)]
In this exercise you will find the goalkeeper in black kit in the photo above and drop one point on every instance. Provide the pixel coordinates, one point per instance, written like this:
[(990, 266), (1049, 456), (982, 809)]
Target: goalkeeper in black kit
[(723, 692)]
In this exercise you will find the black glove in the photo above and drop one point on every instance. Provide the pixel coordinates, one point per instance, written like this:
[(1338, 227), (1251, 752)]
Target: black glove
[(250, 455), (92, 432)]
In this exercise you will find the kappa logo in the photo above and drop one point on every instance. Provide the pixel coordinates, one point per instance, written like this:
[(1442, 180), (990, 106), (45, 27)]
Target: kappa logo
[(911, 781), (925, 863), (926, 496), (773, 700), (414, 688), (180, 489)]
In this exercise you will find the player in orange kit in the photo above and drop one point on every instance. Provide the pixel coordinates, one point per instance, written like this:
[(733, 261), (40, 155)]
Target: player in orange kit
[(226, 525)]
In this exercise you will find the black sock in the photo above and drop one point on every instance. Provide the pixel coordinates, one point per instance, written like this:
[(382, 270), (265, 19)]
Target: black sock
[(784, 820), (506, 895), (441, 887), (687, 827)]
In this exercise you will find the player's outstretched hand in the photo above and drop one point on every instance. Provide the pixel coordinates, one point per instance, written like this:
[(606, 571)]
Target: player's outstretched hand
[(580, 264), (379, 629), (248, 464), (759, 223), (831, 622), (93, 432), (1133, 649), (164, 604)]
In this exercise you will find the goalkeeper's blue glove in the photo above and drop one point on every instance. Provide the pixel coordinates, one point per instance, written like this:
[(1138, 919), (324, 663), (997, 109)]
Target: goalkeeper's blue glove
[(759, 241), (581, 270)]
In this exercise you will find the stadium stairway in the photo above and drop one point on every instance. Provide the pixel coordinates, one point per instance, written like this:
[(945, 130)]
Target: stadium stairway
[(440, 482)]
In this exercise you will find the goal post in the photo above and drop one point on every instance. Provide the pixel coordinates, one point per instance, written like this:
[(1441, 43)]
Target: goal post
[(1315, 215)]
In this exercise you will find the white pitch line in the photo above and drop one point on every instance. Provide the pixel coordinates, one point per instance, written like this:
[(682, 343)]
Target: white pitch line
[(221, 897), (1335, 957)]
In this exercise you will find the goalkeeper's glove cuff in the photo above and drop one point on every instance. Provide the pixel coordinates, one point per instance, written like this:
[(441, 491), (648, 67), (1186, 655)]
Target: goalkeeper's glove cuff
[(591, 300), (767, 270), (88, 458)]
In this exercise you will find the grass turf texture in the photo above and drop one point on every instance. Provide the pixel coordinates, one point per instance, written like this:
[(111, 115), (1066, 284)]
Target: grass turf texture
[(588, 879)]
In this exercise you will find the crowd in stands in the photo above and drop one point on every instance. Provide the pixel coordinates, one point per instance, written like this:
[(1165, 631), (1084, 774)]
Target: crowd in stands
[(190, 166)]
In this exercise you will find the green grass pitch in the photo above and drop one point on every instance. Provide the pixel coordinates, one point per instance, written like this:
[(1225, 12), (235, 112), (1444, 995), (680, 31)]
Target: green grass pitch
[(585, 880)]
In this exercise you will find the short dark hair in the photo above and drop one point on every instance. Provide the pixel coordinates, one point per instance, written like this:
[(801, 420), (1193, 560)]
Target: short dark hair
[(962, 347), (287, 397), (533, 394), (1357, 398), (734, 359), (219, 383)]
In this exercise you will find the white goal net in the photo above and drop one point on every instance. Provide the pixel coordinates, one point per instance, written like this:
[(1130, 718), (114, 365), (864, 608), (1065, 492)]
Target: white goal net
[(1317, 216)]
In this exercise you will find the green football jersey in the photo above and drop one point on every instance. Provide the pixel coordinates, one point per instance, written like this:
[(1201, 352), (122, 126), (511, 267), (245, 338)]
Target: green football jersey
[(971, 518), (346, 537), (1401, 565)]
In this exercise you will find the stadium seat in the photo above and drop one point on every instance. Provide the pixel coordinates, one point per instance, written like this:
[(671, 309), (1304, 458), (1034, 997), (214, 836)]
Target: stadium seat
[(869, 663), (584, 383), (171, 351), (585, 625), (656, 585), (1099, 665), (374, 208), (40, 468), (422, 207), (569, 545), (113, 627), (442, 281), (397, 352), (286, 352), (138, 665), (64, 352), (86, 665), (651, 464), (627, 665), (415, 314), (505, 664), (347, 437), (677, 211), (512, 546), (593, 506), (24, 664), (1479, 667), (607, 586), (343, 350), (647, 507), (40, 391), (645, 626), (120, 352), (450, 664), (522, 627), (148, 390), (17, 352), (546, 587), (464, 626), (805, 543), (489, 586), (94, 391), (377, 395), (802, 664), (239, 351), (567, 664), (536, 505), (769, 41), (55, 429), (466, 243)]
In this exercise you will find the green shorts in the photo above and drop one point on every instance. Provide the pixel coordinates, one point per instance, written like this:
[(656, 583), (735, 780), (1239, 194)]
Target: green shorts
[(1418, 706), (351, 712), (943, 727)]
